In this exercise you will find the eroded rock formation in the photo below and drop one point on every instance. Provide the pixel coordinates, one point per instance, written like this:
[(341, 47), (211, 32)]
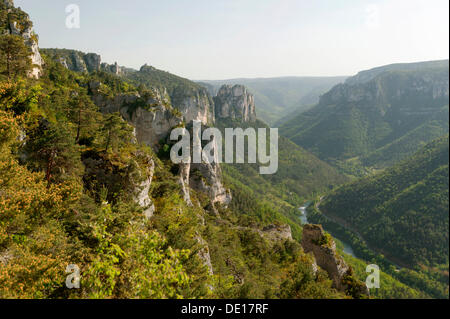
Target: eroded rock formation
[(142, 188), (323, 247), (235, 102), (19, 23), (277, 232)]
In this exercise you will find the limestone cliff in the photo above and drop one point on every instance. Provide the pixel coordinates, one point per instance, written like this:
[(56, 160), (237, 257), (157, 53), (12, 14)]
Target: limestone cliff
[(323, 247), (378, 117), (277, 232), (142, 184), (207, 177), (191, 99), (136, 177), (168, 102), (235, 102), (151, 115), (17, 22)]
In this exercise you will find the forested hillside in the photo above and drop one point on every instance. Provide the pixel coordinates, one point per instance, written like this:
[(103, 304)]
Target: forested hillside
[(376, 118), (79, 208), (86, 181), (403, 211)]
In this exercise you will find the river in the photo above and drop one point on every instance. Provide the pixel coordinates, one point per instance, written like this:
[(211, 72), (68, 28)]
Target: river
[(304, 219)]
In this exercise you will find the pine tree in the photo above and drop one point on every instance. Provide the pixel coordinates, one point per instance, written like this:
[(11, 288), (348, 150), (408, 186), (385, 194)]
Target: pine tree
[(117, 132), (15, 57), (52, 148)]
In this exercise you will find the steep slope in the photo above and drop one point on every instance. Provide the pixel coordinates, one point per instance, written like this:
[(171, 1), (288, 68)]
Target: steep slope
[(300, 174), (403, 211), (114, 208), (15, 21), (276, 97), (377, 117), (81, 183), (191, 99)]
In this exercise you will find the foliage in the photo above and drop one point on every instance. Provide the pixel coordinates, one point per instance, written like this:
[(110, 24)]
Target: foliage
[(379, 121), (14, 56), (404, 210)]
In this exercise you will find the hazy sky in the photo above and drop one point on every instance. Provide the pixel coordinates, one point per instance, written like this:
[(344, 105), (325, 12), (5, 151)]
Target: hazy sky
[(218, 39)]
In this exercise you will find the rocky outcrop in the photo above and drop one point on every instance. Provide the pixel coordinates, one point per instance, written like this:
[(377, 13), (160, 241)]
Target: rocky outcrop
[(152, 125), (78, 61), (398, 86), (109, 104), (81, 62), (204, 255), (277, 232), (154, 116), (112, 68), (235, 102), (192, 100), (18, 23), (194, 106), (323, 247), (207, 178), (142, 188), (184, 174), (151, 115)]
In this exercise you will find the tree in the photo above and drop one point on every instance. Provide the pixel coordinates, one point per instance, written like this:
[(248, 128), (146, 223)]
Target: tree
[(51, 147), (15, 57), (117, 132), (83, 112)]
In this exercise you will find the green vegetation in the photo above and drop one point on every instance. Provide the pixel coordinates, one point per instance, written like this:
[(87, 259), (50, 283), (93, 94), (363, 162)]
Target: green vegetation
[(375, 120), (68, 174), (404, 210), (300, 174), (15, 56), (396, 283), (401, 213)]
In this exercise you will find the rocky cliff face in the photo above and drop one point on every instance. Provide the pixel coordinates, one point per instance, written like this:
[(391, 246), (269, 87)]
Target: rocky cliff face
[(196, 106), (154, 116), (235, 102), (142, 188), (152, 123), (192, 100), (112, 68), (17, 22), (153, 119), (207, 177), (381, 115), (82, 62), (408, 89), (90, 62), (323, 248), (277, 232)]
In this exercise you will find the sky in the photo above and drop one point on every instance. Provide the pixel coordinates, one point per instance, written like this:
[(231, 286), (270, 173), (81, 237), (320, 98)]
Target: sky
[(222, 39)]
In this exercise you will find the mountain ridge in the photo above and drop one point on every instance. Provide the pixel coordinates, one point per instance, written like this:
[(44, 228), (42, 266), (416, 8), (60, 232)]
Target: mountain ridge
[(360, 117)]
